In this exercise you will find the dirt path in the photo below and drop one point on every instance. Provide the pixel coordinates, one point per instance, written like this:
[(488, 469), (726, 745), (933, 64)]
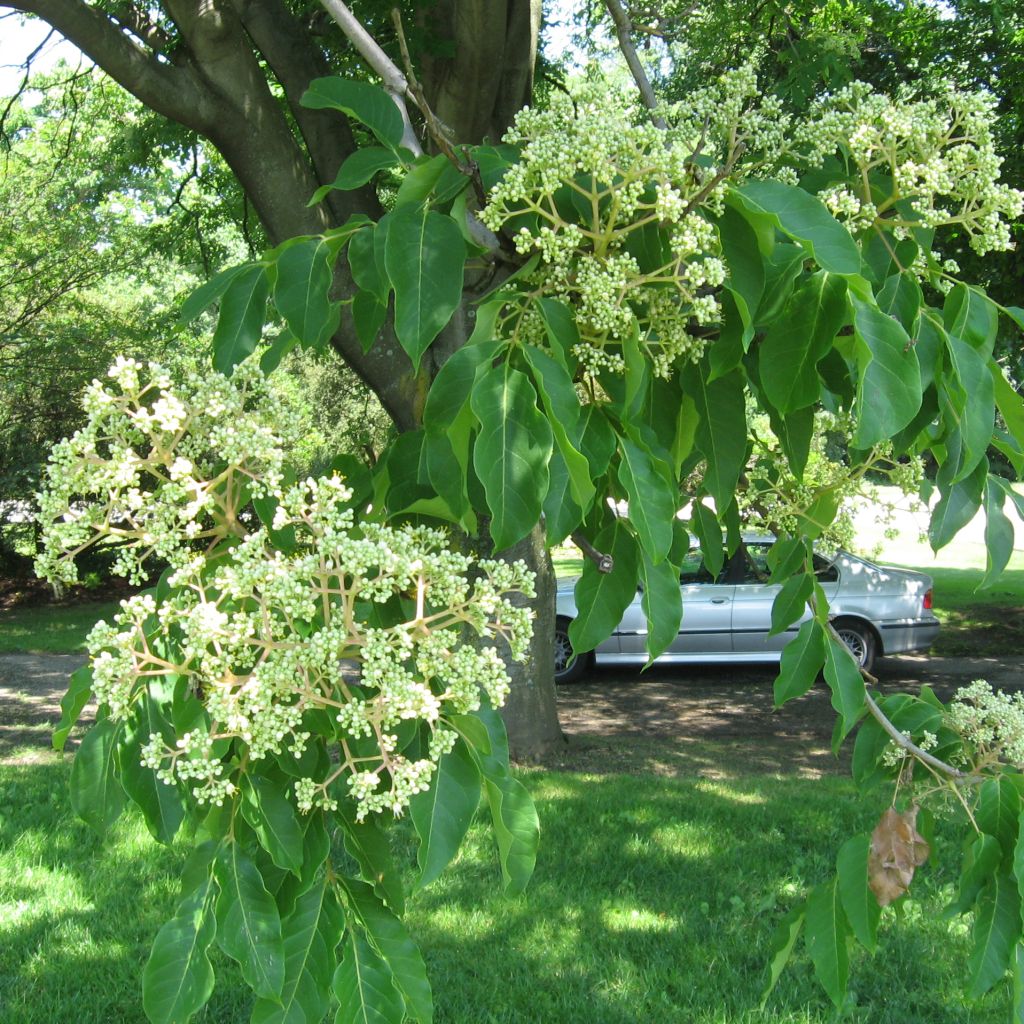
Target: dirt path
[(714, 721)]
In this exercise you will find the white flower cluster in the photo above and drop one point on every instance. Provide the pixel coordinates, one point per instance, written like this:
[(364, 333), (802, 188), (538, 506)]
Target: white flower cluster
[(374, 625), (917, 162), (157, 467), (991, 722)]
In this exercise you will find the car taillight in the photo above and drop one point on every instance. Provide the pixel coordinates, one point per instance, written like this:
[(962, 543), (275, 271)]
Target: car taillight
[(927, 600)]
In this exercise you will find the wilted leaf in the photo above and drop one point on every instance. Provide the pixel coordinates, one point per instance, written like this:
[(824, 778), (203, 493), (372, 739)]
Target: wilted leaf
[(897, 848)]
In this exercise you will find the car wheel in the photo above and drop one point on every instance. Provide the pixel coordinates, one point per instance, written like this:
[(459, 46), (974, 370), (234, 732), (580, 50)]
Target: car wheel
[(569, 666), (859, 638)]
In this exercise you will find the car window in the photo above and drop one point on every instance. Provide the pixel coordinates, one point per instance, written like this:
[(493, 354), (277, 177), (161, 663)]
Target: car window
[(825, 570), (693, 569), (755, 563)]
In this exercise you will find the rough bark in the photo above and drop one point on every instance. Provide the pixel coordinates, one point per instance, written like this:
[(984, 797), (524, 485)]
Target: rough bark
[(211, 80)]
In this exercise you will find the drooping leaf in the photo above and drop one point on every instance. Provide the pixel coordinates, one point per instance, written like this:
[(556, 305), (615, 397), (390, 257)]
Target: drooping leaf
[(790, 602), (998, 811), (301, 292), (652, 502), (889, 380), (782, 945), (794, 345), (357, 170), (72, 704), (746, 267), (998, 532), (901, 298), (364, 261), (826, 930), (802, 660), (957, 505), (968, 405), (859, 902), (178, 979), (248, 923), (275, 820), (602, 597), (367, 103), (804, 218), (443, 813), (721, 432), (704, 523), (846, 683), (997, 928), (511, 453), (208, 293), (897, 849), (970, 314), (243, 310), (364, 986), (368, 844), (516, 828), (96, 793), (981, 861), (662, 604), (368, 315), (561, 513), (424, 254)]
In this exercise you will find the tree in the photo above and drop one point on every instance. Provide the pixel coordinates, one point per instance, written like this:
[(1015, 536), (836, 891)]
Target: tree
[(659, 276)]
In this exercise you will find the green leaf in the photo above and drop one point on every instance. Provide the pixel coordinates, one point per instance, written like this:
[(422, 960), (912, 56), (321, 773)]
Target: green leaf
[(795, 432), (602, 597), (782, 945), (276, 822), (208, 293), (826, 940), (1017, 1013), (311, 933), (451, 388), (301, 292), (96, 794), (72, 704), (248, 924), (708, 531), (998, 532), (560, 326), (162, 805), (721, 432), (846, 683), (998, 812), (368, 315), (652, 503), (859, 903), (997, 929), (956, 507), (357, 170), (662, 604), (243, 311), (424, 254), (597, 440), (366, 103), (802, 659), (970, 314), (803, 217), (981, 861), (794, 344), (889, 381), (442, 814), (790, 602), (1011, 405), (511, 453), (369, 846), (178, 979), (901, 298), (367, 270), (390, 939), (968, 406), (561, 513), (746, 267), (364, 986), (516, 828)]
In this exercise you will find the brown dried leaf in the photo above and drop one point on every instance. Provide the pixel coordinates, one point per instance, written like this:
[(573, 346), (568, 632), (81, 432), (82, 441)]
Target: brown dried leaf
[(896, 849)]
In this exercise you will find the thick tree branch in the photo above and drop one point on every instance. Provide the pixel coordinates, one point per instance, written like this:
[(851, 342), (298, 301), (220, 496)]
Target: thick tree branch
[(624, 31)]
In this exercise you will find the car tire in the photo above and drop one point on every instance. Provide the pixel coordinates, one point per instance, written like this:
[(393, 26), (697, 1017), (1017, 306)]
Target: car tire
[(860, 640), (569, 666)]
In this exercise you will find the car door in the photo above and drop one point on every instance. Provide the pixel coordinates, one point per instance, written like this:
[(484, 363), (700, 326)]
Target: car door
[(707, 611), (753, 598)]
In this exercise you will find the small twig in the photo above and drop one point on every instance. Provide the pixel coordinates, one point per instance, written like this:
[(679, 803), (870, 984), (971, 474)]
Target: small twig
[(604, 563), (623, 30)]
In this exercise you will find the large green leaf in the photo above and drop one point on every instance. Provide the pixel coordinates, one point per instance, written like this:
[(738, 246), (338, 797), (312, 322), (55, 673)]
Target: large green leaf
[(208, 293), (248, 923), (72, 704), (602, 597), (178, 978), (970, 314), (451, 388), (998, 532), (311, 933), (1010, 403), (846, 683), (652, 501), (511, 453), (424, 254), (706, 527), (96, 794), (389, 937), (161, 804), (797, 341), (561, 513), (275, 820), (721, 433), (859, 903), (782, 945), (956, 507), (442, 814), (746, 267), (301, 292), (998, 812), (997, 929), (662, 604), (243, 310), (889, 380), (791, 602), (516, 828), (367, 103), (364, 986), (901, 298), (968, 407), (802, 659), (804, 218), (981, 861), (357, 170), (826, 930), (368, 844), (365, 263)]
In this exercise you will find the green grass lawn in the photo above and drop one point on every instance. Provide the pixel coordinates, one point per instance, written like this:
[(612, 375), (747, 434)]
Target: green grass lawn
[(654, 900), (54, 630)]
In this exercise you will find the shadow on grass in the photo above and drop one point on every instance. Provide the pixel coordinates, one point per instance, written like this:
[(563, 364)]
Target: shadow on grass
[(653, 899)]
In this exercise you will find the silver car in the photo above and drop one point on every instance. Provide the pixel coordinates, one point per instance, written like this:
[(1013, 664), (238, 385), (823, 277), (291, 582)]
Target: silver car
[(875, 609)]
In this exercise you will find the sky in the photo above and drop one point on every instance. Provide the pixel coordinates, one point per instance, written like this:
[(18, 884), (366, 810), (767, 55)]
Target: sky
[(17, 40)]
